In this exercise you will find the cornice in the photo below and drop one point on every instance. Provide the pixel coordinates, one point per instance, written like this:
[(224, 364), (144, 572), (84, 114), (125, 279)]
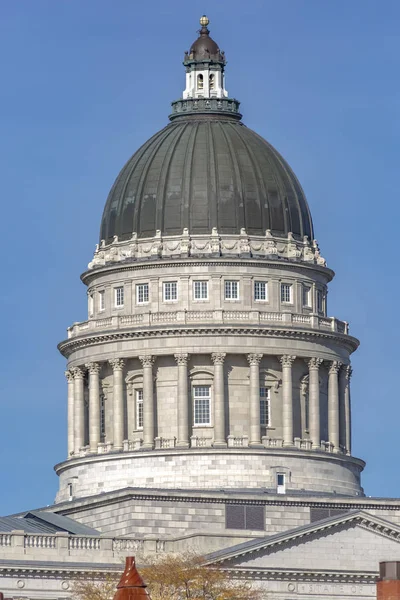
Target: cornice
[(298, 575), (139, 265), (67, 347)]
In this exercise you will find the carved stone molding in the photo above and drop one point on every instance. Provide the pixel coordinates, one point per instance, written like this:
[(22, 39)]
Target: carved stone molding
[(181, 359), (69, 375), (286, 360), (78, 372), (334, 367), (93, 368), (314, 363), (348, 371), (218, 358), (117, 364), (147, 360), (254, 359)]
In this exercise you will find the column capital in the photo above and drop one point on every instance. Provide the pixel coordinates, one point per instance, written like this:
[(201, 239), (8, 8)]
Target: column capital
[(254, 359), (348, 372), (78, 372), (181, 359), (147, 360), (334, 367), (313, 363), (117, 364), (218, 358), (286, 360), (69, 375), (93, 368)]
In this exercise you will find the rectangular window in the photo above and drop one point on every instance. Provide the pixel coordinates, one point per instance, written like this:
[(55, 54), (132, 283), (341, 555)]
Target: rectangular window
[(142, 293), (119, 296), (260, 290), (265, 414), (201, 404), (139, 409), (306, 296), (170, 291), (102, 417), (280, 483), (320, 301), (200, 290), (239, 516), (231, 290), (91, 305), (286, 292), (102, 300)]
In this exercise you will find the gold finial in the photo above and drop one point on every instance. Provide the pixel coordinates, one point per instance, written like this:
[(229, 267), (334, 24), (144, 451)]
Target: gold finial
[(204, 21)]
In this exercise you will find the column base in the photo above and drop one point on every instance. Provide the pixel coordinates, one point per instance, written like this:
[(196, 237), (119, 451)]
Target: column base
[(220, 445), (183, 445), (256, 445), (147, 447), (316, 447), (288, 444)]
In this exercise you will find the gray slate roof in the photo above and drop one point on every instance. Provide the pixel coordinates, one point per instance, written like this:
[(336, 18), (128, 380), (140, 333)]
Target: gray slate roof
[(37, 521)]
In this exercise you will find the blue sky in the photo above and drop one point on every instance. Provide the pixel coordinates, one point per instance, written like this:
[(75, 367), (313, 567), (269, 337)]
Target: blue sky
[(84, 84)]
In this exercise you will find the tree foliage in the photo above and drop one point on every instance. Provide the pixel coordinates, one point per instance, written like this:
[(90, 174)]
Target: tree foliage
[(176, 577)]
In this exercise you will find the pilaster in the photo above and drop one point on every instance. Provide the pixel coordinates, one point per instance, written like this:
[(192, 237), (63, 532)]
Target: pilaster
[(218, 359)]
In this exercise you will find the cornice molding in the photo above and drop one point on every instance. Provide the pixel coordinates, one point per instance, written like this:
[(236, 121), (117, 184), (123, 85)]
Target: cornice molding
[(67, 347)]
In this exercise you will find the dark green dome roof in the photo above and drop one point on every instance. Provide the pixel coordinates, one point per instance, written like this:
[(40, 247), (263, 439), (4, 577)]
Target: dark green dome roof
[(201, 172)]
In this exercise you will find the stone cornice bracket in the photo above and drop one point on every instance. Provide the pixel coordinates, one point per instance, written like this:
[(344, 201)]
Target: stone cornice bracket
[(254, 359), (334, 367), (117, 364), (314, 363), (218, 358), (78, 372), (181, 359), (69, 375), (147, 360), (93, 368), (286, 360)]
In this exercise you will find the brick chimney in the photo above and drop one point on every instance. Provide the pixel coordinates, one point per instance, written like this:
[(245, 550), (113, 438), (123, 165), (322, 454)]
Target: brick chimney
[(131, 585), (388, 586)]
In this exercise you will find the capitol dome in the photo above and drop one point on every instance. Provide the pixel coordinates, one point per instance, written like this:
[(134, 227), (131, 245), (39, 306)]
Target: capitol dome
[(201, 172)]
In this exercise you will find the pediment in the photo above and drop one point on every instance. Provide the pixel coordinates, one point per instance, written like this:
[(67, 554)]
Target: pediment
[(356, 541)]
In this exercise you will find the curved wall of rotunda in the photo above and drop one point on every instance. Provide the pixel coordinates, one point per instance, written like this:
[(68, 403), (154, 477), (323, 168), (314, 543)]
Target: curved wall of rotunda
[(208, 360)]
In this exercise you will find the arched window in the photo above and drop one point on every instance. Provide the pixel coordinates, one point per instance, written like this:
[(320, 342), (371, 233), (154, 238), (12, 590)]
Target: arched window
[(212, 81), (200, 82)]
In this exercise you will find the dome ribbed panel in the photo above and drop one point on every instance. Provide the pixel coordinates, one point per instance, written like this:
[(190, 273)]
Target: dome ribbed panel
[(205, 173)]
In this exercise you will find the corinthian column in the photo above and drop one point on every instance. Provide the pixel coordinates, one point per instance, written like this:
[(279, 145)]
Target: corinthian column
[(333, 405), (94, 405), (313, 401), (70, 378), (79, 409), (183, 401), (347, 408), (117, 365), (255, 421), (287, 399), (148, 401), (219, 399)]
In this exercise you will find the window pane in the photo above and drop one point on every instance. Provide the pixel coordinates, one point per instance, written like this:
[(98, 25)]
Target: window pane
[(260, 290), (280, 479), (200, 290), (119, 296), (139, 409), (170, 290), (265, 416), (142, 293), (101, 300), (201, 407), (286, 292), (231, 290), (306, 296)]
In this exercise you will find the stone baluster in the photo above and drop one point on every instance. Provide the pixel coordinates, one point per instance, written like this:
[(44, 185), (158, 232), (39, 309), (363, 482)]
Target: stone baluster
[(79, 409), (71, 434), (148, 401), (333, 405), (117, 365), (347, 408), (287, 399), (183, 400), (219, 399), (314, 401), (94, 405), (255, 421)]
